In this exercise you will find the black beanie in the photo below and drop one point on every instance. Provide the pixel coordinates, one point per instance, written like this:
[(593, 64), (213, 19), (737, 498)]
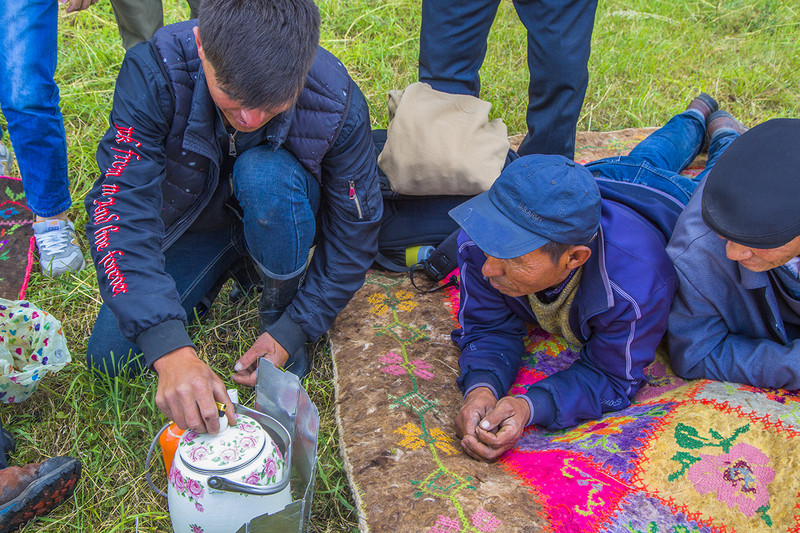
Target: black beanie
[(752, 194)]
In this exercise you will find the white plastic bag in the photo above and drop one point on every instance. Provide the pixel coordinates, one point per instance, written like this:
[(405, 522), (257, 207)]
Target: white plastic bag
[(32, 344)]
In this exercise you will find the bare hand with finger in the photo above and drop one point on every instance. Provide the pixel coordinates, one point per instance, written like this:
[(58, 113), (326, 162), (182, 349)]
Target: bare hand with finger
[(499, 430)]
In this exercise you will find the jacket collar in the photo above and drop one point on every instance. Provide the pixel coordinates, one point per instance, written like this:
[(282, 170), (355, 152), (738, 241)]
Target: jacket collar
[(752, 280), (203, 115), (596, 295)]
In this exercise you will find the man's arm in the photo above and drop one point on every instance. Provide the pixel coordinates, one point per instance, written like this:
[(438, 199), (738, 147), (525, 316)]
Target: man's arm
[(350, 219), (125, 232), (701, 345), (490, 337)]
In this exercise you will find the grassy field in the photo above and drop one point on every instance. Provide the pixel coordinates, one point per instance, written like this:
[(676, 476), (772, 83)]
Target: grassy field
[(649, 58)]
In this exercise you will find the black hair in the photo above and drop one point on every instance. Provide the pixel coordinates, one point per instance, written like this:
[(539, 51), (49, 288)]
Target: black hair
[(556, 249), (261, 50)]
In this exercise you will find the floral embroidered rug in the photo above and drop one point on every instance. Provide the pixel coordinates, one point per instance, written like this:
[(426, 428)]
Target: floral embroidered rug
[(16, 240), (687, 456), (697, 456)]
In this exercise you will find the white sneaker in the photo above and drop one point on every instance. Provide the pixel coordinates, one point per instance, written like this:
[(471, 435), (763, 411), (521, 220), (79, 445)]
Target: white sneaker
[(5, 160), (58, 247)]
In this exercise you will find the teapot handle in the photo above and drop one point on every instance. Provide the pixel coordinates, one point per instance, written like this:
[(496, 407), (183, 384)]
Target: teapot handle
[(221, 483), (149, 458)]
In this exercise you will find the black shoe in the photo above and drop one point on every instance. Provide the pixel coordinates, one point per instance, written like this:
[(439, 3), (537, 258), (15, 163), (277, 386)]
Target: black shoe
[(35, 489), (276, 296), (703, 103)]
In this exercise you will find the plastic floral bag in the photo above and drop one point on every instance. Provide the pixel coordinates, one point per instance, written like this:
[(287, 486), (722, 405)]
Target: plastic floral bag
[(31, 345)]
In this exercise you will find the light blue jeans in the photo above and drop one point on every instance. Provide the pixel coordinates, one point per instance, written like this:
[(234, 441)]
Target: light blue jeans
[(280, 200), (29, 101), (658, 160)]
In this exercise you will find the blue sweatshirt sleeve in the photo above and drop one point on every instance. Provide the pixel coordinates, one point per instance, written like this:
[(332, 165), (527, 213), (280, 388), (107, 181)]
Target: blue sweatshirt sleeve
[(490, 336)]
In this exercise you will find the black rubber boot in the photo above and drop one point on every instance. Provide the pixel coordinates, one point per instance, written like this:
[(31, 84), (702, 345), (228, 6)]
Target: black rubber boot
[(275, 298)]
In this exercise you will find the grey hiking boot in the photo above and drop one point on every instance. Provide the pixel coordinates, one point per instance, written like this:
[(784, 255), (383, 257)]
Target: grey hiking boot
[(6, 159), (58, 247)]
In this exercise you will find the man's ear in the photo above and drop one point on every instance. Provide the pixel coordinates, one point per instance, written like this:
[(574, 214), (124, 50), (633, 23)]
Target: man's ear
[(199, 44), (577, 256)]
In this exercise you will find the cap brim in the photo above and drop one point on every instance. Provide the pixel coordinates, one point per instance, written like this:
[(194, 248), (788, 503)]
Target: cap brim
[(492, 231)]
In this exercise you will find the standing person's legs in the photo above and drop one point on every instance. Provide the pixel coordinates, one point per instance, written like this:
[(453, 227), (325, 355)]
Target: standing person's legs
[(30, 103), (197, 261), (452, 43), (559, 44), (137, 20)]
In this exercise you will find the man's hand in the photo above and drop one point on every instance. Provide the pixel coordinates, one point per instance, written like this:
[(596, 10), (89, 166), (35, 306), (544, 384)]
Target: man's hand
[(247, 367), (477, 404), (188, 391), (78, 5), (499, 430)]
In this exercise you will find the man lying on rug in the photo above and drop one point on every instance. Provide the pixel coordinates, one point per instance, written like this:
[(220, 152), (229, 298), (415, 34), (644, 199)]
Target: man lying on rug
[(736, 315), (580, 251), (233, 138)]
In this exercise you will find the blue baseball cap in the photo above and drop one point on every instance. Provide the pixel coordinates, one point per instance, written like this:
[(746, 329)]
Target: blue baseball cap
[(535, 200)]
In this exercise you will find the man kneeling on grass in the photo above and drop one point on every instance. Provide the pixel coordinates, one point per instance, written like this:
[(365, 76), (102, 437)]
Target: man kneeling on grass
[(580, 251), (234, 141)]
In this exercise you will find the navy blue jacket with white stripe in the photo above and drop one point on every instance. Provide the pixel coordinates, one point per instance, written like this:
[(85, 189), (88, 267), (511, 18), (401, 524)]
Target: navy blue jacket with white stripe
[(619, 314)]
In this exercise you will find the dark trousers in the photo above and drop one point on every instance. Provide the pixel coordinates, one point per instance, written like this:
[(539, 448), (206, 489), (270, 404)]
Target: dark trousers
[(453, 47)]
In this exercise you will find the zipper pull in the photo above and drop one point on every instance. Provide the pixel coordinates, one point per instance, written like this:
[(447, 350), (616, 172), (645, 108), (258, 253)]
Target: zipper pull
[(232, 145), (352, 190)]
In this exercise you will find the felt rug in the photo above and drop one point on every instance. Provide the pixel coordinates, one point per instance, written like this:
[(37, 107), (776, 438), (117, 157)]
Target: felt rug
[(16, 240), (696, 456)]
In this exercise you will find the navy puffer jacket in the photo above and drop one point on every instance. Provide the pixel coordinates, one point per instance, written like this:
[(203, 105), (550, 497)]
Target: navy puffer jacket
[(160, 170)]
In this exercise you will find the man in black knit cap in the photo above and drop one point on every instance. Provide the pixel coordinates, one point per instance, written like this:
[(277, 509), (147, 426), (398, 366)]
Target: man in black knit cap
[(736, 248)]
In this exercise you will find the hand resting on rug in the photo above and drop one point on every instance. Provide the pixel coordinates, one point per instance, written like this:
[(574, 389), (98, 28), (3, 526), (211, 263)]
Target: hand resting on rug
[(489, 427), (247, 366)]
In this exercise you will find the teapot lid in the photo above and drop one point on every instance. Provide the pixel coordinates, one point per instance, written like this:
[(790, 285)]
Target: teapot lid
[(230, 449)]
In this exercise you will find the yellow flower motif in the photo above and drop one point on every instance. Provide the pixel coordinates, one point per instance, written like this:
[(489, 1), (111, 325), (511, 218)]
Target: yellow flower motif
[(402, 300), (413, 438), (608, 426)]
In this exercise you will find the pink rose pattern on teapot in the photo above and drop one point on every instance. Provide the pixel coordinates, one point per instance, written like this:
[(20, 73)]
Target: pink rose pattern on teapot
[(268, 471), (187, 487)]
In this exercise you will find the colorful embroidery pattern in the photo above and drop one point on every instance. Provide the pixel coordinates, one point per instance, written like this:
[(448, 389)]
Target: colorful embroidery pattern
[(685, 457)]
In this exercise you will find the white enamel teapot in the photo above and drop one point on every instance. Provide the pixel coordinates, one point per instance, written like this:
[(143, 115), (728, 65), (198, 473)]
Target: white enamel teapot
[(218, 483)]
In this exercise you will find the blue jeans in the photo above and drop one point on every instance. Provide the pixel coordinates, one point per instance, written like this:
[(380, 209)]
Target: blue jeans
[(658, 160), (29, 101), (280, 200), (453, 46)]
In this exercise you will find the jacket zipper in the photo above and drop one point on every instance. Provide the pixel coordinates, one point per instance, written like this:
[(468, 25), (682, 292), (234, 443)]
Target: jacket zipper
[(232, 144), (355, 199)]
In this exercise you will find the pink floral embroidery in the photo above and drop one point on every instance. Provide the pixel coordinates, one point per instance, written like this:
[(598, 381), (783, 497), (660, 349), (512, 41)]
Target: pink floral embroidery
[(740, 478), (420, 367), (445, 524), (393, 362), (485, 521)]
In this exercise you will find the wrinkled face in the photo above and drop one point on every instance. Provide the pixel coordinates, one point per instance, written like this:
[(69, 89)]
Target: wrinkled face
[(237, 116), (761, 260), (527, 274)]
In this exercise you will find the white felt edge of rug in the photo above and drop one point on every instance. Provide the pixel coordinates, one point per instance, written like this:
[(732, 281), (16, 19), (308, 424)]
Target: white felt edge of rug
[(348, 467)]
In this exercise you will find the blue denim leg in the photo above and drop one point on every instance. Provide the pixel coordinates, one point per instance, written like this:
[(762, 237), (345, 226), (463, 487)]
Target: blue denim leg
[(719, 142), (559, 43), (196, 261), (280, 200), (29, 101), (452, 43), (657, 160)]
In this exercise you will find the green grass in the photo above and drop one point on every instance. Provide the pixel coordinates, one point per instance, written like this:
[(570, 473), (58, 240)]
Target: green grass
[(649, 58)]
